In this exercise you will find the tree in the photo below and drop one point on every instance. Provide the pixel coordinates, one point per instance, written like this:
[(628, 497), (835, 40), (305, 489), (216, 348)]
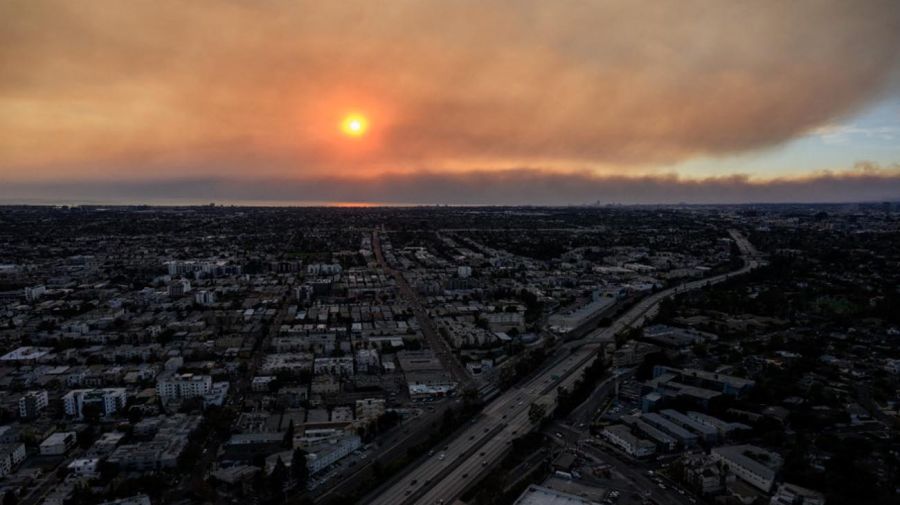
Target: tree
[(277, 480), (10, 498), (288, 441), (536, 412), (299, 470)]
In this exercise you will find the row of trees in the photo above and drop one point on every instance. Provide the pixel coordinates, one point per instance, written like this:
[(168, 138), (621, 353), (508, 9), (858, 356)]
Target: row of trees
[(567, 401)]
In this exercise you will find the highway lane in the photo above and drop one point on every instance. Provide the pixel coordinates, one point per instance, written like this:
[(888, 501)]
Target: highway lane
[(442, 480)]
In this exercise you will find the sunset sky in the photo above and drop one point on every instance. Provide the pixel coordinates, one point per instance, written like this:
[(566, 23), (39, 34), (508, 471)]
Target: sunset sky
[(449, 102)]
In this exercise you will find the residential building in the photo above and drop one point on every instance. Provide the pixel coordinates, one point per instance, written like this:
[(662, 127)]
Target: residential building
[(32, 403), (10, 457), (58, 443), (181, 386), (101, 401)]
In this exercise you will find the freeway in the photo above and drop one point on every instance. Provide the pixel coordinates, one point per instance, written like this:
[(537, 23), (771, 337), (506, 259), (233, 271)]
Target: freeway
[(446, 475)]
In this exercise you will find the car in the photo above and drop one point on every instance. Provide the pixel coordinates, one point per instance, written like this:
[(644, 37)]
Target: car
[(413, 482), (484, 462), (481, 453), (465, 476), (559, 435)]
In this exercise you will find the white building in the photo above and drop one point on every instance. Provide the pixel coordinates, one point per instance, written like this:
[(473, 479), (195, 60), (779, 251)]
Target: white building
[(464, 272), (324, 269), (58, 443), (26, 355), (32, 403), (333, 366), (85, 467), (752, 464), (367, 361), (106, 401), (34, 293), (178, 387), (10, 457), (217, 394), (329, 452)]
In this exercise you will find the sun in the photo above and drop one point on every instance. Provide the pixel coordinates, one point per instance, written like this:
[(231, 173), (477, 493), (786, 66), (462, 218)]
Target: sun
[(355, 125)]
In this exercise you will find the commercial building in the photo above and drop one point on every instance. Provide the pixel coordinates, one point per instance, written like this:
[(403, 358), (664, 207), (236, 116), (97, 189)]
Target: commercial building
[(684, 437), (790, 494), (621, 436), (539, 495), (576, 322), (727, 384), (724, 429), (752, 464), (327, 453), (663, 441), (706, 433)]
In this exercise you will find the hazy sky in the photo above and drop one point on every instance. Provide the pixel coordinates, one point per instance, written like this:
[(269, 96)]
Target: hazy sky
[(467, 102)]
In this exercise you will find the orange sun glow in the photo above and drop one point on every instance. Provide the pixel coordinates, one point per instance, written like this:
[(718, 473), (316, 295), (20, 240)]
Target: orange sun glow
[(355, 125)]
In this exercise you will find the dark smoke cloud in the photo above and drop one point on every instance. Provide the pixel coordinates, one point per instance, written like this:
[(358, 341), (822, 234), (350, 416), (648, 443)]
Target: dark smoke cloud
[(865, 182), (463, 83)]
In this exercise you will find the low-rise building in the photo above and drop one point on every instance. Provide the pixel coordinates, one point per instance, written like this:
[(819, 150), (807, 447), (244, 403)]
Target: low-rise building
[(752, 464), (790, 494), (539, 495), (621, 436), (370, 408), (324, 454), (58, 443)]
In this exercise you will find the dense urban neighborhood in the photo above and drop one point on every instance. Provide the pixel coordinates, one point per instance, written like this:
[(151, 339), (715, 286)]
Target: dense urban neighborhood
[(502, 355)]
